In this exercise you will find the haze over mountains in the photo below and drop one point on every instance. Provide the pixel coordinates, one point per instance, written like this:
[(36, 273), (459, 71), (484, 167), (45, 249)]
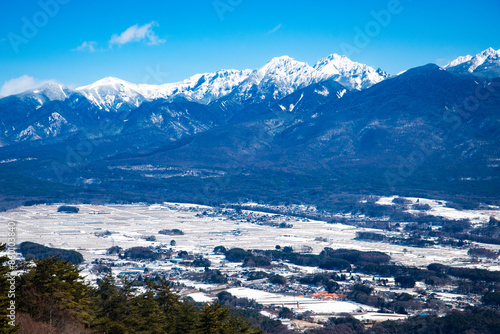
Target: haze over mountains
[(337, 125)]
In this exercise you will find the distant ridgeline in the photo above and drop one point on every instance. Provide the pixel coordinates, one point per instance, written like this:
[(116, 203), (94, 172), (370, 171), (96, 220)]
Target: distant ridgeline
[(32, 250)]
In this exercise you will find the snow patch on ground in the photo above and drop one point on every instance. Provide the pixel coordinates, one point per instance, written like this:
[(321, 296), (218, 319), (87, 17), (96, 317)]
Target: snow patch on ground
[(439, 209), (299, 304), (323, 92), (200, 297)]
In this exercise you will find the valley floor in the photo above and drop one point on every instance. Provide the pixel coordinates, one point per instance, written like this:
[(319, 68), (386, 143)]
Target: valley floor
[(96, 228)]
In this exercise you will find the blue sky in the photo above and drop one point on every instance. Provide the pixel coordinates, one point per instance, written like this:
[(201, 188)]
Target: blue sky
[(78, 42)]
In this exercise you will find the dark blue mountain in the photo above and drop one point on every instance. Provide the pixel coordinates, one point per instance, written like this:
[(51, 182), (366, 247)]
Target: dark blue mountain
[(426, 131)]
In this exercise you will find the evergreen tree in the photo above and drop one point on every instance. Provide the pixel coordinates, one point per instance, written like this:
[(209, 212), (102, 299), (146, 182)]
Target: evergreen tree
[(145, 313), (239, 325), (55, 299), (110, 307), (213, 318), (216, 319), (53, 291), (181, 316), (185, 320)]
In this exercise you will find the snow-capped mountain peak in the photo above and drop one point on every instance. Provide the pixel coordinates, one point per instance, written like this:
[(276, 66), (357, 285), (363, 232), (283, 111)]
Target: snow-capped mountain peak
[(284, 67), (485, 64), (351, 74), (49, 91), (53, 91), (113, 93), (108, 81), (489, 51), (276, 79), (283, 62), (332, 64), (205, 88), (287, 70), (458, 61), (116, 83)]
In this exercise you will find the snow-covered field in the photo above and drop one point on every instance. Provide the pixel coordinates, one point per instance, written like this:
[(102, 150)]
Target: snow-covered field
[(200, 297), (438, 208), (129, 225), (300, 304)]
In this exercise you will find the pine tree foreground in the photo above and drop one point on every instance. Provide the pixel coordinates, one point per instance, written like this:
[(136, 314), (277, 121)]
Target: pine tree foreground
[(54, 299)]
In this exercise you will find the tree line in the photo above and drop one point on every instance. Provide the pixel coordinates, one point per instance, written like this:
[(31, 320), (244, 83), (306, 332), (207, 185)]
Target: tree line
[(53, 298)]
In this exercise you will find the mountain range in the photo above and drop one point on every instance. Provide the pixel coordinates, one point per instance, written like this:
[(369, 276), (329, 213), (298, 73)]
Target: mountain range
[(286, 131), (485, 64)]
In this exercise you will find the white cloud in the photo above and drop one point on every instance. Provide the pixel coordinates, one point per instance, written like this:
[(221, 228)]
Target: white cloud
[(19, 85), (278, 27), (86, 46), (137, 33)]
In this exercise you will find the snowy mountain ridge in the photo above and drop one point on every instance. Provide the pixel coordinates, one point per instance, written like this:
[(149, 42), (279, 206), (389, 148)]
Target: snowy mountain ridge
[(281, 76), (349, 73), (484, 64), (113, 93), (458, 61), (50, 91)]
